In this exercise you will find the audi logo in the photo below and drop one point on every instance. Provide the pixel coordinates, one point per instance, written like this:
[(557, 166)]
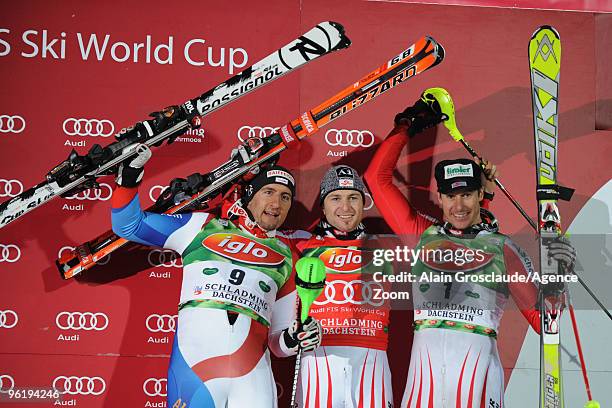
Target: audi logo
[(9, 253), (10, 188), (79, 385), (155, 387), (88, 127), (164, 257), (103, 261), (161, 323), (155, 192), (7, 383), (349, 138), (356, 292), (255, 131), (8, 319), (101, 193), (12, 124), (81, 321), (368, 206)]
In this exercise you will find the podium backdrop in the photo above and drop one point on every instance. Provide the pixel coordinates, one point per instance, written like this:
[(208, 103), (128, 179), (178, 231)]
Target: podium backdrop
[(74, 73)]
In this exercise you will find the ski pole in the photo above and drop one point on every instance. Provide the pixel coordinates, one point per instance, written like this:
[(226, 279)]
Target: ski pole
[(591, 403), (447, 107), (309, 282)]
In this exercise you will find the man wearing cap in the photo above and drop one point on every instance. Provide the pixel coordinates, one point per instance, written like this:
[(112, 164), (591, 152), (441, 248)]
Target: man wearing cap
[(350, 368), (454, 360), (233, 302)]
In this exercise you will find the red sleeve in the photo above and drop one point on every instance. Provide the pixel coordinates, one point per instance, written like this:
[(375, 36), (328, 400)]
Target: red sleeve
[(525, 294), (391, 203), (122, 196)]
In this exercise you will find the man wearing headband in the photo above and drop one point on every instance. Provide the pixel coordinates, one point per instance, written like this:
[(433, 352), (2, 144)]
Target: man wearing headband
[(454, 360), (236, 271)]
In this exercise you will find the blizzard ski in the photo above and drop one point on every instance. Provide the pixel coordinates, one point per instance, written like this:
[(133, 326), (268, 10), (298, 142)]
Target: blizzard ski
[(424, 54), (80, 172), (545, 64)]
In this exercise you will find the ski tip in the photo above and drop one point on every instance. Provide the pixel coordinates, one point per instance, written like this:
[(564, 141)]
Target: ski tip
[(438, 50), (336, 25), (62, 271), (344, 42), (4, 205), (546, 27)]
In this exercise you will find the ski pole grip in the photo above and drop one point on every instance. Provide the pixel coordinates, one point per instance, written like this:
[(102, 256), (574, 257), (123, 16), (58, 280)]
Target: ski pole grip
[(447, 107), (309, 282)]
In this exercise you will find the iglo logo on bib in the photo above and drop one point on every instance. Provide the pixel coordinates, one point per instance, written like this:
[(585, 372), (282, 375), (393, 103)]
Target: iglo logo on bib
[(343, 259), (243, 249)]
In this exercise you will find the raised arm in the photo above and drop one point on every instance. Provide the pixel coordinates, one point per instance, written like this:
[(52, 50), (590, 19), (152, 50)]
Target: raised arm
[(391, 203), (131, 223), (396, 210)]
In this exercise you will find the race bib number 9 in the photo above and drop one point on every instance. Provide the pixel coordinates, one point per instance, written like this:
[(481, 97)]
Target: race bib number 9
[(227, 283)]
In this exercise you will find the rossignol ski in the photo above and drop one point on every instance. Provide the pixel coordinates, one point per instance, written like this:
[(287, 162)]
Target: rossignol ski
[(80, 172), (198, 188), (545, 64)]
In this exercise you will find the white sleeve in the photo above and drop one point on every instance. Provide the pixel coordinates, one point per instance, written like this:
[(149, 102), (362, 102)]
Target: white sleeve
[(283, 315)]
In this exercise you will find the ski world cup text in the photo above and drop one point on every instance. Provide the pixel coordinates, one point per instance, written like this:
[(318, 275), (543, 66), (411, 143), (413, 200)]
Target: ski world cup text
[(45, 44)]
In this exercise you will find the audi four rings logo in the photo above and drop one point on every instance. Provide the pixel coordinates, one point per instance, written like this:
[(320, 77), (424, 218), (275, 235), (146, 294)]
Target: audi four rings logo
[(155, 387), (79, 385), (161, 323), (7, 383), (88, 127), (349, 138), (255, 131), (12, 124), (9, 253), (81, 321), (8, 319), (102, 193), (155, 192), (60, 253), (164, 257), (10, 188), (356, 292)]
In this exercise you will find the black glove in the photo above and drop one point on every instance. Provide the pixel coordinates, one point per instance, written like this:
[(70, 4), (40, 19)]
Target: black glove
[(130, 174), (562, 251), (420, 116), (306, 336)]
